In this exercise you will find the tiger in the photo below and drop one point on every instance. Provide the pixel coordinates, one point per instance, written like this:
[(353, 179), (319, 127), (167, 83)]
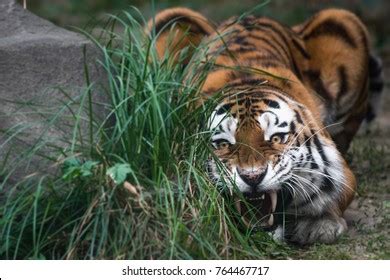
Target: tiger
[(282, 129)]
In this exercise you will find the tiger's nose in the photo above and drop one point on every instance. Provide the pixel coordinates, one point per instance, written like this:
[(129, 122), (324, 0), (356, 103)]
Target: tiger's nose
[(252, 177)]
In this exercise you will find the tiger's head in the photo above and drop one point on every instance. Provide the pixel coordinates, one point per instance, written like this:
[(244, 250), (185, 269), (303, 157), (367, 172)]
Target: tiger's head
[(265, 142)]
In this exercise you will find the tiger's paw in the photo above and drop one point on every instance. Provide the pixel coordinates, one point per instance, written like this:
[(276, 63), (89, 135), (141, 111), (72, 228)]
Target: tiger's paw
[(318, 230), (277, 235)]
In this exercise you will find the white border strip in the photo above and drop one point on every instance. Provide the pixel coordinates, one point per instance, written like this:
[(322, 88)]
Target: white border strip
[(261, 269)]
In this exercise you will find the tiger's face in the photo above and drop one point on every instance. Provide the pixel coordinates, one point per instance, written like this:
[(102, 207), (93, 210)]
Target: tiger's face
[(266, 142)]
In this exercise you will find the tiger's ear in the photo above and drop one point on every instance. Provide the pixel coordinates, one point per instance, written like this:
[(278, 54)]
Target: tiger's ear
[(176, 29)]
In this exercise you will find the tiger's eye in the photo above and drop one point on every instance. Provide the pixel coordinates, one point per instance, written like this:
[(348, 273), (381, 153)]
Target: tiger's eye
[(224, 145), (276, 139)]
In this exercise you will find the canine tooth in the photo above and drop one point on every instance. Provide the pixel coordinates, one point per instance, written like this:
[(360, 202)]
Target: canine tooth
[(274, 197), (271, 220), (263, 196)]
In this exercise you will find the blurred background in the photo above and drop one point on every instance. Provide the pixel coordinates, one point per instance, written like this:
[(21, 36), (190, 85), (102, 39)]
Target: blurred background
[(83, 13)]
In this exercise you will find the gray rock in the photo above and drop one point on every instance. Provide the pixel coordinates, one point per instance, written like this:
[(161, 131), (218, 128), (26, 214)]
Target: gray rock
[(38, 63)]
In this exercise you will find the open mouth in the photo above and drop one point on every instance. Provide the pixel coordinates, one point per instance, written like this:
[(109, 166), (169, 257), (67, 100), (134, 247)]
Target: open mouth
[(257, 210)]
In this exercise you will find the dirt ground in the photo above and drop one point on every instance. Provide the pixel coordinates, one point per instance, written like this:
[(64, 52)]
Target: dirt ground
[(368, 217)]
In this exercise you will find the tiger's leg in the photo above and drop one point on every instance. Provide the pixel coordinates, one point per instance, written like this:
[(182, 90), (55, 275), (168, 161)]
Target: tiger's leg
[(337, 70), (320, 218), (369, 105)]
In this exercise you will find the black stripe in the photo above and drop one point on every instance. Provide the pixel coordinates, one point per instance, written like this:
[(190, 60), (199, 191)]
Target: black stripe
[(248, 102), (314, 77), (293, 128), (301, 50), (343, 78), (277, 95), (255, 111), (262, 26), (298, 116), (327, 185), (333, 28), (319, 147), (310, 158), (239, 40), (313, 164), (261, 56), (296, 69), (239, 48), (241, 98), (271, 103), (255, 96), (247, 22), (278, 32), (276, 120), (181, 19), (219, 141), (269, 64), (274, 44), (224, 109), (247, 81), (268, 41), (283, 124), (274, 53)]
